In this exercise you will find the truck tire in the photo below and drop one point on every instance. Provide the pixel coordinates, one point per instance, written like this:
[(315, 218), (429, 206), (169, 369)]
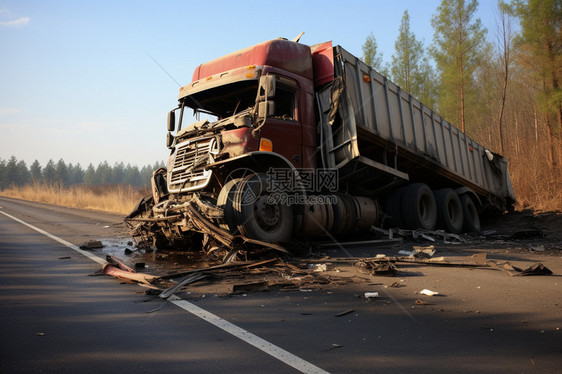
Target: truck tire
[(225, 201), (257, 216), (418, 207), (449, 210), (470, 214)]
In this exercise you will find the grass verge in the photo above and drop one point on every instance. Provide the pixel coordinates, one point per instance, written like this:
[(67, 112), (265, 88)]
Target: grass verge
[(120, 199)]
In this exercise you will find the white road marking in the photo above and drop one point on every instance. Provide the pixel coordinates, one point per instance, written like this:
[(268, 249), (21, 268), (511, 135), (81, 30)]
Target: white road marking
[(246, 336), (263, 345)]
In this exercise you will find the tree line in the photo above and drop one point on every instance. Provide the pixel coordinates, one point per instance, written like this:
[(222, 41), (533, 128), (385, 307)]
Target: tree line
[(17, 173), (503, 88)]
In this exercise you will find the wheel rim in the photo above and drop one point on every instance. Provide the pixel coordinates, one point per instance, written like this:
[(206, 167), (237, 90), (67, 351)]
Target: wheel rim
[(267, 215)]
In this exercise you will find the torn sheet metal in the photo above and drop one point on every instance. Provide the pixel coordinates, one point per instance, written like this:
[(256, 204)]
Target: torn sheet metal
[(514, 271), (249, 287)]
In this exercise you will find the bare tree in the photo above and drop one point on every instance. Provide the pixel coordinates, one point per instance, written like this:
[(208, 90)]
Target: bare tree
[(504, 45)]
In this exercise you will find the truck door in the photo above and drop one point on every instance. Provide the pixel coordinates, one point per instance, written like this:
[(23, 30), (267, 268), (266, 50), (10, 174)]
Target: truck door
[(283, 127)]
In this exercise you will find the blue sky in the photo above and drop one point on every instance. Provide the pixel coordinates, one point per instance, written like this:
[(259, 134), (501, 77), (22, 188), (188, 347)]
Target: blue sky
[(77, 82)]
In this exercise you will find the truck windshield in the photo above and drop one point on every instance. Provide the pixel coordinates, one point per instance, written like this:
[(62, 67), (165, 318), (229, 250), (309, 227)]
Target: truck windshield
[(226, 100)]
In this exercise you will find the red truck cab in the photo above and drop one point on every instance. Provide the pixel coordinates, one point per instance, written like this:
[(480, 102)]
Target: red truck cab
[(289, 129)]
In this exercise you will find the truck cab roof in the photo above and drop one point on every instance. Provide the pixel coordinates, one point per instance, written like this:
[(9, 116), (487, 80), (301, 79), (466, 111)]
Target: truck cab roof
[(280, 53)]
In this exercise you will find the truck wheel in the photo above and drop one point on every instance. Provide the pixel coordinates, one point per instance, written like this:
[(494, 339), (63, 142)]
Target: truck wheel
[(470, 214), (259, 212), (418, 207), (225, 201), (449, 210)]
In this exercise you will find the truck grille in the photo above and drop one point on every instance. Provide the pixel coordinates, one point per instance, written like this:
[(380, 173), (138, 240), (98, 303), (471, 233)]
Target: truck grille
[(188, 171)]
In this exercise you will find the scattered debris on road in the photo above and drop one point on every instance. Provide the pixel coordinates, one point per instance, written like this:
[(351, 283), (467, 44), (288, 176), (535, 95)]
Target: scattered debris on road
[(428, 292), (118, 269), (371, 295), (92, 244), (345, 313), (233, 265), (536, 269)]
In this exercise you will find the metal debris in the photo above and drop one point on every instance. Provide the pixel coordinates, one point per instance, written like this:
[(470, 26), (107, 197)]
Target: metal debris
[(92, 244), (430, 235), (187, 280), (345, 313), (537, 248), (535, 269), (387, 268), (424, 251)]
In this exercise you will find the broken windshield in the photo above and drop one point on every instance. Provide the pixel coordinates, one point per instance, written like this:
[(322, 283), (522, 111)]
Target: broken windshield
[(224, 101)]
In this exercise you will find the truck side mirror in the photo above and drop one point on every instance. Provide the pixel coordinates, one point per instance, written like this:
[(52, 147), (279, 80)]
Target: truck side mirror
[(267, 87), (169, 140), (266, 109), (171, 121)]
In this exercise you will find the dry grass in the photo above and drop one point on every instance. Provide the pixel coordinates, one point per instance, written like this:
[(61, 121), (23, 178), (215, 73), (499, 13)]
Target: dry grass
[(536, 184), (119, 199)]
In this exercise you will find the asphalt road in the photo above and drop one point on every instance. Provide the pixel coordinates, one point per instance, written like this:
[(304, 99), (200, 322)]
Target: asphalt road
[(56, 317)]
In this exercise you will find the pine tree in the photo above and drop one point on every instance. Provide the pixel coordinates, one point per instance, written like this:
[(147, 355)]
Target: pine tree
[(457, 47), (3, 175), (371, 55), (103, 174), (410, 68), (22, 173), (407, 58), (49, 173), (118, 173), (132, 176), (35, 173), (61, 173), (90, 175), (76, 174), (12, 171), (428, 88), (541, 33)]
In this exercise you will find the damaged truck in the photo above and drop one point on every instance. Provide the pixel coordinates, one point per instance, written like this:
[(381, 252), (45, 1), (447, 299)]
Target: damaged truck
[(297, 141)]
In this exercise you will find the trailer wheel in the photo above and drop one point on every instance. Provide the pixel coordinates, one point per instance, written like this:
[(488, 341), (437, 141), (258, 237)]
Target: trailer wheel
[(470, 214), (418, 207), (449, 210), (260, 212)]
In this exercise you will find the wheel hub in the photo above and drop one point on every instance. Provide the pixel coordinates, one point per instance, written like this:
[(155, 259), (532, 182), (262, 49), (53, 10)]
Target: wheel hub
[(267, 214)]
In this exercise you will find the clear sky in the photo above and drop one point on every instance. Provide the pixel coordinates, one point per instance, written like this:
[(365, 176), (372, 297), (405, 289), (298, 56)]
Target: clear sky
[(77, 81)]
